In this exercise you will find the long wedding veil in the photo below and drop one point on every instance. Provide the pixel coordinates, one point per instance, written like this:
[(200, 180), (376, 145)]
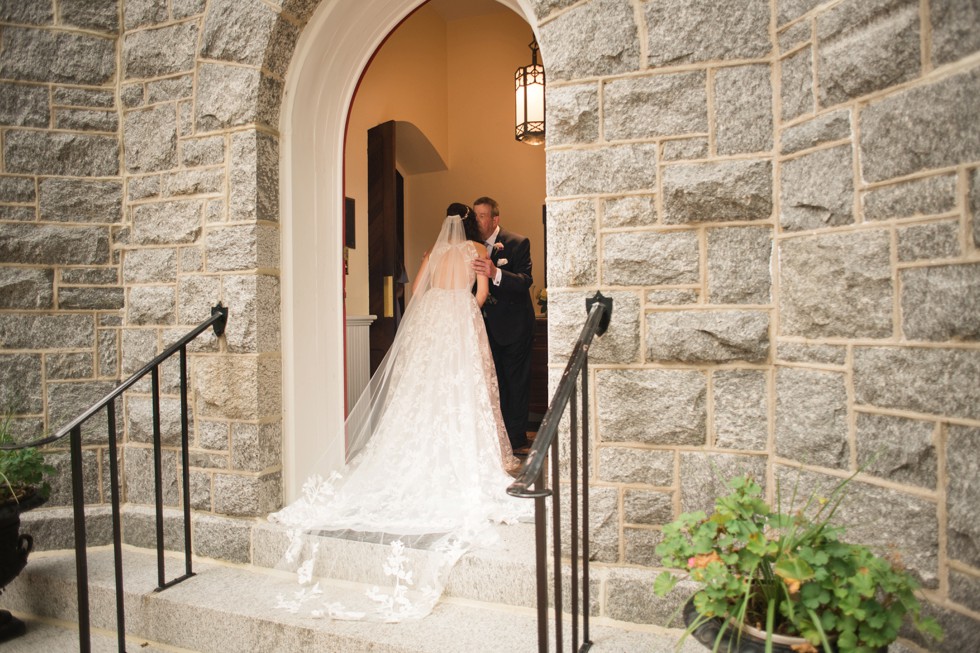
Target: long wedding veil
[(447, 268)]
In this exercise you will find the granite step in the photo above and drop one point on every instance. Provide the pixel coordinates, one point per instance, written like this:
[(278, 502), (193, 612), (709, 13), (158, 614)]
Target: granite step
[(500, 572), (227, 608)]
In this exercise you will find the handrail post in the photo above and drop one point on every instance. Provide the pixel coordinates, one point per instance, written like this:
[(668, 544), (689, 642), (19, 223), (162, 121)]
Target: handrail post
[(541, 563), (185, 458), (573, 512), (81, 557), (556, 546), (530, 484), (116, 526), (158, 475), (585, 499)]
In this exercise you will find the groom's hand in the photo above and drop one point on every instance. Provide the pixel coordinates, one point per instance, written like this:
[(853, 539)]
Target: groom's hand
[(485, 267)]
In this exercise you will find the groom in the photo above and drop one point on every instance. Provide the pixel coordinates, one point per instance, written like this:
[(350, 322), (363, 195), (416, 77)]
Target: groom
[(509, 316)]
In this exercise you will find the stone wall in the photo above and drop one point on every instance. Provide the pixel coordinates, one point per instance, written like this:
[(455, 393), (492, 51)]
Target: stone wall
[(138, 188), (779, 197), (62, 298)]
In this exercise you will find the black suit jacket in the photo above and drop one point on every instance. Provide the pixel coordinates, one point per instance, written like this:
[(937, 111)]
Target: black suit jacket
[(508, 311)]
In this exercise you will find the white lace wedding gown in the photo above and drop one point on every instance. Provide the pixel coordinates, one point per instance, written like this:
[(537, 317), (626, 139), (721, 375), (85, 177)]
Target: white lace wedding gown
[(428, 475)]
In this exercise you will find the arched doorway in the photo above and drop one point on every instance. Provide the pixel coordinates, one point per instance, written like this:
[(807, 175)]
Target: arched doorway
[(331, 55)]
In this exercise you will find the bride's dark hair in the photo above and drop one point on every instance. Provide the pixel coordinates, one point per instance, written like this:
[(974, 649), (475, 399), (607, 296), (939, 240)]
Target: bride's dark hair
[(470, 227)]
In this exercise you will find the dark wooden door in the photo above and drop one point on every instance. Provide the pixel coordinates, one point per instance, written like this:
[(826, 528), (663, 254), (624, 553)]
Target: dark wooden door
[(386, 221)]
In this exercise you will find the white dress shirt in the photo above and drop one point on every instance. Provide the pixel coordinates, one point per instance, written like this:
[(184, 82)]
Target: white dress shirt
[(490, 243)]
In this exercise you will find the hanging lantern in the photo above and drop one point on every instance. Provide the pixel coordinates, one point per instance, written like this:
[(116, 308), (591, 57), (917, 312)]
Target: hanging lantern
[(529, 97)]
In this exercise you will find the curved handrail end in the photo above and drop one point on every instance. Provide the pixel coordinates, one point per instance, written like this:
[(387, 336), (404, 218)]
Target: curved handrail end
[(219, 324), (607, 303)]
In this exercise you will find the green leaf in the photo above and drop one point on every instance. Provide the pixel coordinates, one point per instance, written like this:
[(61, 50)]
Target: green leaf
[(664, 583), (792, 567)]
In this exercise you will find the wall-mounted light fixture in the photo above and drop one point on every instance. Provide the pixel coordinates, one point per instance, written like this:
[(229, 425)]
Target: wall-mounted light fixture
[(529, 97)]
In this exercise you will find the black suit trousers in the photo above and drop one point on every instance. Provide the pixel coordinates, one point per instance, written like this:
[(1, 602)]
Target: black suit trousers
[(513, 364)]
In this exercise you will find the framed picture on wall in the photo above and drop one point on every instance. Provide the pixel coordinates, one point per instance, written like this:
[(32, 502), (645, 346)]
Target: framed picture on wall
[(349, 232)]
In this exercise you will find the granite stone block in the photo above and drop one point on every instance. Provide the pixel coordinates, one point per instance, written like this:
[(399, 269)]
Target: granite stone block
[(167, 223), (237, 31), (898, 449), (739, 264), (97, 15), (43, 55), (708, 336), (650, 258), (826, 127), (788, 10), (836, 285), (927, 196), (597, 38), (704, 476), (636, 466), (743, 109), (941, 302), (817, 190), (80, 200), (150, 137), (39, 244), (741, 409), (61, 154), (923, 380), (572, 258), (926, 126), (651, 406), (796, 84), (567, 313), (572, 114), (866, 46), (953, 36), (812, 417), (630, 211), (613, 169), (685, 32), (96, 299), (26, 288), (659, 105), (24, 106), (717, 191)]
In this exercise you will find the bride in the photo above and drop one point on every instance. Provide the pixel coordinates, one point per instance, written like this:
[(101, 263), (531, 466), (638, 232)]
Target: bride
[(428, 454)]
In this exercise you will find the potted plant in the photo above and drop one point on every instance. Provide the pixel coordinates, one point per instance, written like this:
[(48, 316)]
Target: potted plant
[(785, 574), (22, 487)]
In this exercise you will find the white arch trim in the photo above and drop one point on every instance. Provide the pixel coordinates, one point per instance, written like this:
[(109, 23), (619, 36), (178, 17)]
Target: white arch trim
[(331, 54)]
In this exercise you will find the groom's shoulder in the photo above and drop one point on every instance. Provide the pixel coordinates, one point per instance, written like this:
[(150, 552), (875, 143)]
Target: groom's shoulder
[(510, 236)]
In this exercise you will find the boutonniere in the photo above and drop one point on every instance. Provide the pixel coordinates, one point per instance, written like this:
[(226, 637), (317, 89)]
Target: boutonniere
[(496, 249)]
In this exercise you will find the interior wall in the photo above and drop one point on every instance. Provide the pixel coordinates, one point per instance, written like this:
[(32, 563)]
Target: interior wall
[(466, 67), (406, 81)]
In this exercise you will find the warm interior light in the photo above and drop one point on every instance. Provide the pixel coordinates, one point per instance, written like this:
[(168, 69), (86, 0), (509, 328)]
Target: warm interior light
[(529, 100)]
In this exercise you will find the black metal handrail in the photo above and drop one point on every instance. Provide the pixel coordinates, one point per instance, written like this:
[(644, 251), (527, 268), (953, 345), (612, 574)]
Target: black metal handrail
[(73, 430), (532, 484)]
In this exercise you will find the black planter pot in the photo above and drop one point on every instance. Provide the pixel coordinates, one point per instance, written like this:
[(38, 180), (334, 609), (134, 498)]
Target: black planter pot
[(733, 640), (14, 549)]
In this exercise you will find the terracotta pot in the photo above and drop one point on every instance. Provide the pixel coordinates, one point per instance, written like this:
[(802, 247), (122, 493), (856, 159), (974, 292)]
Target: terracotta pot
[(744, 640)]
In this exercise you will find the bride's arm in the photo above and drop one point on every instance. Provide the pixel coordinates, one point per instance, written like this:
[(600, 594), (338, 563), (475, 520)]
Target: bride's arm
[(482, 289), (482, 283), (420, 273)]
